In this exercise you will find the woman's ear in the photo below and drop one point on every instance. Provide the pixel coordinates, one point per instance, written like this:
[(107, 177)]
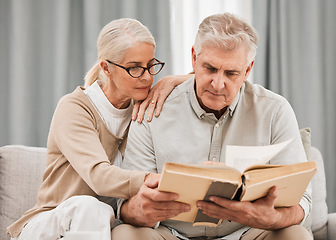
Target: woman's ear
[(104, 66)]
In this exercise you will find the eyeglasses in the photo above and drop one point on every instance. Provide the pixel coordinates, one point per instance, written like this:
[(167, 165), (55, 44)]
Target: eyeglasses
[(139, 71)]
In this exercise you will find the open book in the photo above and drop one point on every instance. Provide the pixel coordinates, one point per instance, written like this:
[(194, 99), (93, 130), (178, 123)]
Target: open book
[(198, 182)]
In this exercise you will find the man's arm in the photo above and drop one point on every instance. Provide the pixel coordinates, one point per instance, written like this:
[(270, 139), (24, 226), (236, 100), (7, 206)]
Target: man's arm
[(259, 214), (284, 127), (150, 206)]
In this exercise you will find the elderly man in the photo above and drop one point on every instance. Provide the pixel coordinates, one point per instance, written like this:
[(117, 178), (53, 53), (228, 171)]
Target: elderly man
[(215, 108)]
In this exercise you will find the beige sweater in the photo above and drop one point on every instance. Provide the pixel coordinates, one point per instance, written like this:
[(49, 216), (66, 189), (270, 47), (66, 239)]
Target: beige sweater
[(81, 151)]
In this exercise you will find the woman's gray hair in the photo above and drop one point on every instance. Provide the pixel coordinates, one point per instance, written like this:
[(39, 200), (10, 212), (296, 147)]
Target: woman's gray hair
[(228, 32), (114, 39)]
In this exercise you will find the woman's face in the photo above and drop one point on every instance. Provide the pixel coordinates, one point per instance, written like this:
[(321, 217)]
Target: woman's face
[(121, 87)]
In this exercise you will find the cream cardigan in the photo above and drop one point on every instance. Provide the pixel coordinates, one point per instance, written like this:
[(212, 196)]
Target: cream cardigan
[(80, 155)]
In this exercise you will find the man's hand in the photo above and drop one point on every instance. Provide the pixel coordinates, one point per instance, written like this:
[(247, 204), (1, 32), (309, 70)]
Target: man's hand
[(150, 206), (258, 214)]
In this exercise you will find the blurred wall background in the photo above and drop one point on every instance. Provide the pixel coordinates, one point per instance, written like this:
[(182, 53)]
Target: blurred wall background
[(46, 47)]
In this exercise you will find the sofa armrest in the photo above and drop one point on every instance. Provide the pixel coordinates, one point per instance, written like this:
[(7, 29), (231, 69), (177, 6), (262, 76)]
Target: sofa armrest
[(21, 171), (332, 226)]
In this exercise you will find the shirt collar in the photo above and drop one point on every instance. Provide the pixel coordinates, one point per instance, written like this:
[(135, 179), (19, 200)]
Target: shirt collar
[(200, 111)]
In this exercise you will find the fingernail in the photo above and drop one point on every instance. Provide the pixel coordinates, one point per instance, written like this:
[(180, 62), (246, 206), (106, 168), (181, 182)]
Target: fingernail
[(133, 118), (212, 199), (139, 120), (187, 209)]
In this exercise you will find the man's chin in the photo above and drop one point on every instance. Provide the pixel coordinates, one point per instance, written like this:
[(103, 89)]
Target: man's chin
[(215, 105)]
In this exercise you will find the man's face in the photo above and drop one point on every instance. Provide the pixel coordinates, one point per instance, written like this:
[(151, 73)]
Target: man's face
[(219, 76)]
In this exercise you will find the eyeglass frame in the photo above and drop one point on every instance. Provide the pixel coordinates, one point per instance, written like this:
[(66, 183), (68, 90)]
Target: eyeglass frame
[(144, 68)]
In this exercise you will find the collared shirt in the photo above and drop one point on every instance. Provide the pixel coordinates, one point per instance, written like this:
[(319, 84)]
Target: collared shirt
[(185, 133)]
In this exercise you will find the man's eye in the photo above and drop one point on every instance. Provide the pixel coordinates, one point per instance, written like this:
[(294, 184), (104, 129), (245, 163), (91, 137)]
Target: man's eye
[(231, 73)]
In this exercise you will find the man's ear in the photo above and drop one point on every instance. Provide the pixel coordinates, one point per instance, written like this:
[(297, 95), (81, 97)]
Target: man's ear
[(193, 57), (248, 70)]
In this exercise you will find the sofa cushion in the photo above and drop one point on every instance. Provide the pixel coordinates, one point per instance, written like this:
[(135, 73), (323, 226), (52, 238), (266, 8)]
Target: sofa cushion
[(319, 195), (306, 140), (21, 170), (320, 210)]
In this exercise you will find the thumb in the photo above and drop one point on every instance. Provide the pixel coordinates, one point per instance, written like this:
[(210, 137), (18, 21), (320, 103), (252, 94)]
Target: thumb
[(272, 195), (152, 180)]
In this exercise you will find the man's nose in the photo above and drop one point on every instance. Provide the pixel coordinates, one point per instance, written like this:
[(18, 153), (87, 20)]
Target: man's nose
[(218, 81)]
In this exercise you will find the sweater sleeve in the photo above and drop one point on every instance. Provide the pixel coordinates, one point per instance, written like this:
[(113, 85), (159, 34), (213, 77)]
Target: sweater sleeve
[(74, 132)]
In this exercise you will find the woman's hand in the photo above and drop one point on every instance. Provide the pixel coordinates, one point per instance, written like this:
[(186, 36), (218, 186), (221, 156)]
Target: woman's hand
[(156, 97)]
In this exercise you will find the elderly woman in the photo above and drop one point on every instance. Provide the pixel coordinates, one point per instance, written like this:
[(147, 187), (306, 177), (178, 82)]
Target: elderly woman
[(88, 134)]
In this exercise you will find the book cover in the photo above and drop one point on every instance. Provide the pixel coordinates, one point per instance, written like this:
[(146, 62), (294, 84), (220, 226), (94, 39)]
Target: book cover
[(198, 182)]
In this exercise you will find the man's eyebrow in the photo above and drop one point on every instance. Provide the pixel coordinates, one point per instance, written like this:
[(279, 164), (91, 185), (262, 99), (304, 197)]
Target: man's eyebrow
[(233, 71), (206, 64)]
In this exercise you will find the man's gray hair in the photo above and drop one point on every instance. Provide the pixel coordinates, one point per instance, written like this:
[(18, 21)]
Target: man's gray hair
[(228, 32)]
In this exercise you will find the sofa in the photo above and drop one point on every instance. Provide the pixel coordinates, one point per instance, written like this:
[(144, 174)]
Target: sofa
[(22, 167)]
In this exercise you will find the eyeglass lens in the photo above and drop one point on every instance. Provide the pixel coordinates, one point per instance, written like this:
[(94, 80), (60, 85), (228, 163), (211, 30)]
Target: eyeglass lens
[(138, 71)]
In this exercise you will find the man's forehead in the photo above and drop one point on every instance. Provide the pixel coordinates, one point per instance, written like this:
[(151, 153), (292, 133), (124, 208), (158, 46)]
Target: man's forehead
[(218, 59)]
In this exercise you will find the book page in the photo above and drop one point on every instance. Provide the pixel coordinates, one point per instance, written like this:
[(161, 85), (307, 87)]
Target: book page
[(241, 157)]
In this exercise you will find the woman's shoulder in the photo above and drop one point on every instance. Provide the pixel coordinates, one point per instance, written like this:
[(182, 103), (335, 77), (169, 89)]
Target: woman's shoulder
[(77, 97), (76, 103)]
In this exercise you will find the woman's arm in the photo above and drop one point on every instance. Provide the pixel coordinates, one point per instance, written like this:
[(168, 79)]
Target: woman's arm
[(157, 96)]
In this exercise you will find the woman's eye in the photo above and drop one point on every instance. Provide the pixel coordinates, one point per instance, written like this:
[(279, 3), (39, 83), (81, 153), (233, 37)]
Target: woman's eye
[(135, 70)]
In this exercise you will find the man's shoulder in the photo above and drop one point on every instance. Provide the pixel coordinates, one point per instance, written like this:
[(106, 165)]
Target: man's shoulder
[(259, 92), (180, 91)]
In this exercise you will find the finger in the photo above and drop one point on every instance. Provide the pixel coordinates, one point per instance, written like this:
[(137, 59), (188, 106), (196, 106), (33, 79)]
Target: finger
[(161, 99), (152, 106), (213, 210), (135, 110), (225, 203), (168, 206), (170, 213), (142, 109), (157, 196), (162, 215), (151, 109), (165, 210)]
